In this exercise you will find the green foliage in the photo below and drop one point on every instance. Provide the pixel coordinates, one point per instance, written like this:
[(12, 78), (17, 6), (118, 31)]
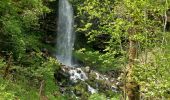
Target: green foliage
[(4, 94), (27, 80), (102, 97), (20, 35), (153, 74), (2, 63), (48, 75), (109, 24), (142, 21), (10, 90), (116, 18), (95, 19), (18, 20), (97, 60), (36, 65), (97, 97)]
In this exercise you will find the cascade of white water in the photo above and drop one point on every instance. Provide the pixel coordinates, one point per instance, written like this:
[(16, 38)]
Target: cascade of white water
[(65, 43), (65, 33)]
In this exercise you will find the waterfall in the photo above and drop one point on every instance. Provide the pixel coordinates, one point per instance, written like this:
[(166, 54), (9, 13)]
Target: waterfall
[(65, 33)]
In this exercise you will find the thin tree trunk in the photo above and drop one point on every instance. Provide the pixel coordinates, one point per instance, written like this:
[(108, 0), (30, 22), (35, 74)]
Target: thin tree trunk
[(6, 71), (132, 88)]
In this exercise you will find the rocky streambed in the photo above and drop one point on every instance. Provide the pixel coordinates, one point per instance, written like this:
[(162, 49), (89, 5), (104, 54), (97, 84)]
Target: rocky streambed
[(82, 82)]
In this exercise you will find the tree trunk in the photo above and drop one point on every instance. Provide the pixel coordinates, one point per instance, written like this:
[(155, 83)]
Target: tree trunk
[(131, 87), (6, 71)]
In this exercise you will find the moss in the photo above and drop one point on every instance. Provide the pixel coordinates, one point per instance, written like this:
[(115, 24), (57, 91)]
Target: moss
[(81, 90)]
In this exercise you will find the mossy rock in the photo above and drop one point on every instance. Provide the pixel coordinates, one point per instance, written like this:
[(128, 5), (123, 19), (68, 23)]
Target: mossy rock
[(80, 90), (92, 76)]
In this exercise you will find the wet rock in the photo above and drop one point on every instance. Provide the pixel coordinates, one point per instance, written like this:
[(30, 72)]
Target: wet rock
[(61, 77), (114, 73), (78, 93), (82, 86), (80, 90), (78, 71), (91, 89), (87, 69)]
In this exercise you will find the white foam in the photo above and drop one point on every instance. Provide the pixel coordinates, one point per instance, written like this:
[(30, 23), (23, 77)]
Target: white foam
[(91, 89), (77, 74)]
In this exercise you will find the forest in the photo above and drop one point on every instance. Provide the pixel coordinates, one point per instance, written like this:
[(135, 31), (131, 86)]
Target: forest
[(84, 49)]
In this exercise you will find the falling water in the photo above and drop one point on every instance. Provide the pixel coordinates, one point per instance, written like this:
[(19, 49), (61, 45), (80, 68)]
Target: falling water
[(65, 43), (65, 35)]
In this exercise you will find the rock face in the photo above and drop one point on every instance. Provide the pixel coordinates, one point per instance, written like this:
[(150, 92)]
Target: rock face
[(82, 82), (49, 20), (48, 24)]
